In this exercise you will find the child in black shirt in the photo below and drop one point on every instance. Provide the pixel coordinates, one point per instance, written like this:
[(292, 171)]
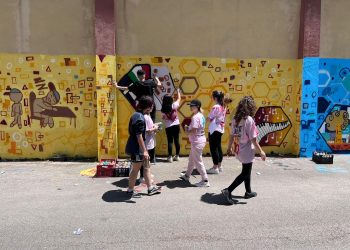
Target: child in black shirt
[(136, 148)]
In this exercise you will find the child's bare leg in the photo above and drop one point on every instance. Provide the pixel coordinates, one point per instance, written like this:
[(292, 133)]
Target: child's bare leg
[(147, 175), (133, 175)]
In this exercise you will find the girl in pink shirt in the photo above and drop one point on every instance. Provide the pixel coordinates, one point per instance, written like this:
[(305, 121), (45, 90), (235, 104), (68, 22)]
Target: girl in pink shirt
[(243, 143), (172, 124), (216, 129), (198, 141)]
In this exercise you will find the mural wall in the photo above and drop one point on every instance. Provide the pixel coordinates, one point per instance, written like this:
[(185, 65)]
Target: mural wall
[(67, 105), (47, 106), (275, 85), (106, 107), (330, 78)]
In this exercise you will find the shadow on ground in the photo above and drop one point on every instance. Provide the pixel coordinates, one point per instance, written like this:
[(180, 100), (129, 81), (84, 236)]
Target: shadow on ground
[(122, 183), (171, 184), (117, 196), (219, 199), (195, 172)]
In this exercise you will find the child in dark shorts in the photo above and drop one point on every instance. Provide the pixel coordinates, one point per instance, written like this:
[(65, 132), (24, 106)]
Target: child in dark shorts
[(136, 147)]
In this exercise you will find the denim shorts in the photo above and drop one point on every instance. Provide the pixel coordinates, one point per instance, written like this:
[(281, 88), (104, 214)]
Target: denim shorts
[(137, 158)]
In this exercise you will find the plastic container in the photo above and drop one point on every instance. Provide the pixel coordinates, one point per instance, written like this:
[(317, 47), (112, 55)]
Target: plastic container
[(322, 158)]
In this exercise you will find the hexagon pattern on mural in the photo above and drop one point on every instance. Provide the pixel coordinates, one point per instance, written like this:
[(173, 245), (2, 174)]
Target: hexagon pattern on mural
[(273, 83)]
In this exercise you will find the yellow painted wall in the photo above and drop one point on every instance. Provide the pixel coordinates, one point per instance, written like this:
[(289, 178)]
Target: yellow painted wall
[(91, 117), (64, 128), (275, 85), (106, 107)]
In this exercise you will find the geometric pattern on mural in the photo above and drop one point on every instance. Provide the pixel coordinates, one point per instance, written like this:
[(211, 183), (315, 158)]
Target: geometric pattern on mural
[(335, 129), (47, 106), (106, 107), (334, 89), (309, 112), (274, 84), (329, 80)]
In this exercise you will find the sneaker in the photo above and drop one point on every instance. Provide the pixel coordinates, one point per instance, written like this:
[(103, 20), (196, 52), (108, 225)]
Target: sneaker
[(176, 158), (184, 177), (250, 195), (221, 169), (133, 194), (213, 171), (228, 196), (170, 159), (203, 184), (154, 190)]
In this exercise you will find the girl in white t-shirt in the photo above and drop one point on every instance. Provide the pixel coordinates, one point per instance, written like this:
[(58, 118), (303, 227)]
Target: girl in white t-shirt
[(216, 129), (150, 141), (197, 138), (172, 124)]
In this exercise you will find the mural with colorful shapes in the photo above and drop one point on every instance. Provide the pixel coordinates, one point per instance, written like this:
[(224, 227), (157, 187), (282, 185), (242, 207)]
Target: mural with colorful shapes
[(106, 107), (309, 127), (275, 85), (330, 78), (47, 106)]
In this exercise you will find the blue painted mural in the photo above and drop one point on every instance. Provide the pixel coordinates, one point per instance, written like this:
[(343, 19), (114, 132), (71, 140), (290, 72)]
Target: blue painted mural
[(329, 129), (308, 117)]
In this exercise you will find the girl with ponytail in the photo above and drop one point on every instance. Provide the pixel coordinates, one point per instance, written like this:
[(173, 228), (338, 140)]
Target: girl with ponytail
[(216, 129), (172, 124)]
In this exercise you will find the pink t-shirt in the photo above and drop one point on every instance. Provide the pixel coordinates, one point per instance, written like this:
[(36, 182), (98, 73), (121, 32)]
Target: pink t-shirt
[(150, 141), (168, 122), (217, 119), (198, 124), (246, 131)]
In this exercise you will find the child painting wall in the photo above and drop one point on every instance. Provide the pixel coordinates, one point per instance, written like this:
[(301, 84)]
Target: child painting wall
[(274, 84)]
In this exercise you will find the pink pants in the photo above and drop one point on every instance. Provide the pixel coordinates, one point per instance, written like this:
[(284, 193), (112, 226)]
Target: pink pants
[(195, 160)]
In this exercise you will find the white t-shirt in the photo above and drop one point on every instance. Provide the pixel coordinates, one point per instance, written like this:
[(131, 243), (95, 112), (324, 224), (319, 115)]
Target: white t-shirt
[(168, 122), (198, 125), (150, 137), (217, 119)]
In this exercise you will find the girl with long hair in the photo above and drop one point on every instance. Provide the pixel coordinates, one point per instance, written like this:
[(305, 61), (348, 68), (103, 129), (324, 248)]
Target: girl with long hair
[(243, 144), (216, 129), (172, 124)]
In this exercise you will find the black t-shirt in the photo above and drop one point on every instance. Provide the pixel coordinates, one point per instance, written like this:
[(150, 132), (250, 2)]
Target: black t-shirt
[(137, 126), (143, 88)]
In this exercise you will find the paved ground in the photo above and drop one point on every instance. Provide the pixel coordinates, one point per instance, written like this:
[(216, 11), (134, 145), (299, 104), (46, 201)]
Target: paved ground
[(300, 205)]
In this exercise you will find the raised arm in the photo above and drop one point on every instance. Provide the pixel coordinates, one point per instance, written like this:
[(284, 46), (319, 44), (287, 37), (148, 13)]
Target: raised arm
[(159, 84), (178, 95), (120, 87)]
